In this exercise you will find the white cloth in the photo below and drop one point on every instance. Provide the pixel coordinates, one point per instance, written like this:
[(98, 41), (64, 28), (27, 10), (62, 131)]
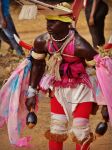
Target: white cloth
[(31, 92), (59, 124), (69, 98), (81, 128)]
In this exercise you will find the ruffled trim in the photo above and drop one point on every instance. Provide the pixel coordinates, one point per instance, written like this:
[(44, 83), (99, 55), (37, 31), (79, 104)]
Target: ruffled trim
[(89, 139), (66, 82), (55, 137)]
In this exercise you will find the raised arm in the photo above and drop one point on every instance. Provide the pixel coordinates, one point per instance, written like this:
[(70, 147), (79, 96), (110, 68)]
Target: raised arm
[(83, 48)]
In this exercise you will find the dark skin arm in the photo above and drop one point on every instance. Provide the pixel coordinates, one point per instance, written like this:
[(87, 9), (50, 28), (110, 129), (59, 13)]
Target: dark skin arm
[(93, 10), (2, 19), (83, 48), (38, 68)]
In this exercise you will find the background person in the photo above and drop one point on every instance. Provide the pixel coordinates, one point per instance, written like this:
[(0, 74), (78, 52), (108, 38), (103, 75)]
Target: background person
[(8, 25), (4, 38), (96, 11)]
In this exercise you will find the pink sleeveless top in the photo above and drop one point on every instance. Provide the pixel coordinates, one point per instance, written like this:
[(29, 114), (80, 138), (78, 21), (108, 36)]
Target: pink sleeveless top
[(72, 70)]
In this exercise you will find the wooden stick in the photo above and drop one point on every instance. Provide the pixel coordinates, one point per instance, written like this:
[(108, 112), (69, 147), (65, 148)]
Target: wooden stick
[(43, 4), (20, 3)]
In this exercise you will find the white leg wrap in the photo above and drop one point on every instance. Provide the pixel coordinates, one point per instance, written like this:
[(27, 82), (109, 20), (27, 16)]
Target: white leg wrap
[(59, 124), (80, 128)]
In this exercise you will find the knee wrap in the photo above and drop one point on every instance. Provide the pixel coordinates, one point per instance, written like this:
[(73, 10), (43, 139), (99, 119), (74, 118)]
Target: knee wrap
[(58, 128), (59, 124), (80, 130)]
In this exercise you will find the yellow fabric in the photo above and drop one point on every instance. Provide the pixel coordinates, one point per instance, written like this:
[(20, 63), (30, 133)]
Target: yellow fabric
[(60, 18)]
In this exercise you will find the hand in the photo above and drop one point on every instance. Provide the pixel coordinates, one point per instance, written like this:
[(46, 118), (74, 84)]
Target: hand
[(91, 21), (30, 103), (4, 23)]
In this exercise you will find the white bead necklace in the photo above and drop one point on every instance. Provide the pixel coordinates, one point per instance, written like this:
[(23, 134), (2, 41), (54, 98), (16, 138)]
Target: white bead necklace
[(60, 39)]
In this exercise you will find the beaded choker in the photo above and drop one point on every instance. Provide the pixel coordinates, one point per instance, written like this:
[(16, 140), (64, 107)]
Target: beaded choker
[(60, 39)]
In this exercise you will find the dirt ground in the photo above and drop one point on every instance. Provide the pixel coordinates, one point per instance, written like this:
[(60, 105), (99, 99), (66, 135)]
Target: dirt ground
[(28, 30)]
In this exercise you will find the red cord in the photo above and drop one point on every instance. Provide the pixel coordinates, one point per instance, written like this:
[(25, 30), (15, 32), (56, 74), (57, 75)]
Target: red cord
[(25, 45)]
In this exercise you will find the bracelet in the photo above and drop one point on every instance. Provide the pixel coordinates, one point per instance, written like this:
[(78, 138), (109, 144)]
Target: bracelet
[(31, 92)]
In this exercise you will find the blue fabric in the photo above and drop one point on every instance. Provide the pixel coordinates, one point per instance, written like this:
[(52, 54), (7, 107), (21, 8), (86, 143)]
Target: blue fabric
[(5, 7), (9, 31)]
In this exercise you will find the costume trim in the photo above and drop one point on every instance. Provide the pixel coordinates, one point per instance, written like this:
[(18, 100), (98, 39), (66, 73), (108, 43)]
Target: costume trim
[(88, 139), (25, 45), (37, 55), (59, 124), (55, 137), (31, 92), (22, 43)]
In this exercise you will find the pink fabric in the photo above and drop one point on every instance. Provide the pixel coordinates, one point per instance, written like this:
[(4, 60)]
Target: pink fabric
[(72, 66), (97, 91), (104, 75), (73, 82), (69, 49), (24, 142), (12, 103), (46, 82)]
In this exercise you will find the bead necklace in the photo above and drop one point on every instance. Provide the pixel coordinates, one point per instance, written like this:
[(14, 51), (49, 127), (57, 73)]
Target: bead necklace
[(60, 39), (64, 44)]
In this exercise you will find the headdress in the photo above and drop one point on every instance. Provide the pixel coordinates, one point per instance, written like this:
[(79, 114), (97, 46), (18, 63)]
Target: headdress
[(60, 18), (59, 9), (60, 12)]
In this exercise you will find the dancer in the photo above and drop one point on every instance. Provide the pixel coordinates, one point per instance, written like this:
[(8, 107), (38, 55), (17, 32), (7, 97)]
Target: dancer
[(64, 73), (66, 76)]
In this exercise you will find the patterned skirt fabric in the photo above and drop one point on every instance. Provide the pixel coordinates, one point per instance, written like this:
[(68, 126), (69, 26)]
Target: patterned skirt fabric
[(12, 103), (104, 75)]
